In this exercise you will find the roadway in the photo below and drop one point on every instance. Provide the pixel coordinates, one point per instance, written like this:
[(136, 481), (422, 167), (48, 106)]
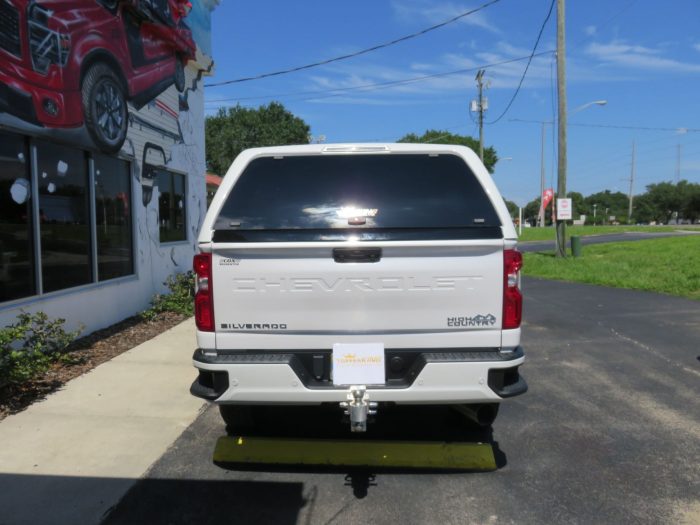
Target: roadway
[(609, 432), (537, 246)]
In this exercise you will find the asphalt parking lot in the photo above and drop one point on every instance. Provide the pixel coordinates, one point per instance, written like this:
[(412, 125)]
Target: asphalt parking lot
[(609, 432)]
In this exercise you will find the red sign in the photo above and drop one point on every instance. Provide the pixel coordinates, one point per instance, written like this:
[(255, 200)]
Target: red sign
[(547, 197)]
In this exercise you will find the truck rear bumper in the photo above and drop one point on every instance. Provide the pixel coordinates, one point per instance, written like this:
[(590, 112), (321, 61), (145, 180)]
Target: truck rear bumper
[(434, 377)]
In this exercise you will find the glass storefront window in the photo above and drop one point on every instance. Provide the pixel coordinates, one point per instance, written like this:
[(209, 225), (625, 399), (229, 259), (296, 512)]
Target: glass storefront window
[(113, 218), (16, 238), (63, 213), (171, 206), (51, 243)]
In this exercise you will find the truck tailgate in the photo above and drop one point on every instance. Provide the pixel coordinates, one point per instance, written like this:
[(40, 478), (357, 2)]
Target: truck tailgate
[(440, 292)]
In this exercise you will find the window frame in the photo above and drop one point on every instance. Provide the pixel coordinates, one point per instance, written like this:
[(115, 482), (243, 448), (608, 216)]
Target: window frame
[(185, 212), (95, 282)]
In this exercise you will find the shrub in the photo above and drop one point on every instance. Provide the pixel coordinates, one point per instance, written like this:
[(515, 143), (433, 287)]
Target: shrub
[(28, 347), (180, 299)]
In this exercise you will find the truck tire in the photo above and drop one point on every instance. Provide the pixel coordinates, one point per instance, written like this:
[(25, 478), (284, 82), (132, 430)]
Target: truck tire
[(104, 107)]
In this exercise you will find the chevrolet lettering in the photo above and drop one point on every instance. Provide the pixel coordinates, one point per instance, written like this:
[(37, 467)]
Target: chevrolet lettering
[(349, 284)]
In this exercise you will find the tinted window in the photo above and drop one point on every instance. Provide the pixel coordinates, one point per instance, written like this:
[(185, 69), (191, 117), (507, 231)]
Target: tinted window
[(64, 213), (372, 192), (113, 218), (16, 246), (171, 206)]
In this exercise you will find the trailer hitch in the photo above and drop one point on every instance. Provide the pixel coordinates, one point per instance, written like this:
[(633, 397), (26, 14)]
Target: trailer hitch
[(358, 407)]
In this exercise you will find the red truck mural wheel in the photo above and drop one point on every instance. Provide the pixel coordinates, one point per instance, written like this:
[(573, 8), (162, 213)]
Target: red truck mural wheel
[(104, 107)]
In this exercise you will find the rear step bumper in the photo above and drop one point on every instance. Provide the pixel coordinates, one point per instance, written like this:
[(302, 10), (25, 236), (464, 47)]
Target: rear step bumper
[(302, 377)]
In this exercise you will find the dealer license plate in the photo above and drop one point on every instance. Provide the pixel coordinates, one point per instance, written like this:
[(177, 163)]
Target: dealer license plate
[(358, 364)]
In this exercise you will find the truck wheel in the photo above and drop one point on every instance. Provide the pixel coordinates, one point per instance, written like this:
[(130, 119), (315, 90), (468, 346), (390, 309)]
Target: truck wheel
[(179, 74), (104, 108), (238, 418)]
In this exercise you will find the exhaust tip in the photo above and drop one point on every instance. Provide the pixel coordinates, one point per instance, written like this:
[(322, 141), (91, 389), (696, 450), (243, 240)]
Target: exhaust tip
[(482, 415)]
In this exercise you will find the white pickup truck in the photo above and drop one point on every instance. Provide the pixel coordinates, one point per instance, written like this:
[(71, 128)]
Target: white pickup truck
[(358, 275)]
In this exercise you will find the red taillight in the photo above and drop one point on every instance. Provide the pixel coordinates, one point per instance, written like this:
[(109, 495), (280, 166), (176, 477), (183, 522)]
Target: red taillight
[(512, 298), (203, 297)]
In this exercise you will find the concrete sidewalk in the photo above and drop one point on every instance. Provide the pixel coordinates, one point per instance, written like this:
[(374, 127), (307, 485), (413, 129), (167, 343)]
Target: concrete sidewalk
[(70, 458)]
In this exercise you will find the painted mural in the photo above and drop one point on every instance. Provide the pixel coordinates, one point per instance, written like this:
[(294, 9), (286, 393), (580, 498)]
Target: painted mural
[(78, 65), (101, 152)]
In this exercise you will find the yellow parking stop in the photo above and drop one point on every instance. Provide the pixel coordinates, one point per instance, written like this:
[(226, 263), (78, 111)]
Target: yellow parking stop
[(355, 453)]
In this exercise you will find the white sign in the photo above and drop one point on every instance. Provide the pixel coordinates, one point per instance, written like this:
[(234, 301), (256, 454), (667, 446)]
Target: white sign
[(564, 211), (358, 364)]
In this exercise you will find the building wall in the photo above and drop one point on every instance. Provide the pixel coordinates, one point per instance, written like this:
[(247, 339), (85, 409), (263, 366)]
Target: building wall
[(164, 142)]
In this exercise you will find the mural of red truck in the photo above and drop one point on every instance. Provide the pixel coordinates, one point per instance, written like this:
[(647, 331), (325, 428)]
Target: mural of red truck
[(65, 64)]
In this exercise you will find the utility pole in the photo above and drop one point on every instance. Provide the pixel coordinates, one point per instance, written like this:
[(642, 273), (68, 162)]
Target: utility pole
[(541, 216), (561, 127), (678, 164), (481, 108), (631, 195)]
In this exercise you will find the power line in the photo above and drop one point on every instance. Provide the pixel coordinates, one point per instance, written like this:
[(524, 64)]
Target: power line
[(616, 126), (369, 87), (606, 22), (357, 53), (522, 78)]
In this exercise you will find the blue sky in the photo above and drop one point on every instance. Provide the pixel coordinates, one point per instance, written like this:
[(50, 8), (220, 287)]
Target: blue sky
[(643, 57)]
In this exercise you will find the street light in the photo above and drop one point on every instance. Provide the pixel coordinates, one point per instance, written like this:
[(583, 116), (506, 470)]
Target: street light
[(561, 174), (588, 105)]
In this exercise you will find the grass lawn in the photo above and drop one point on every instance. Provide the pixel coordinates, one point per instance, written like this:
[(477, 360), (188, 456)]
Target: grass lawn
[(547, 234), (670, 266)]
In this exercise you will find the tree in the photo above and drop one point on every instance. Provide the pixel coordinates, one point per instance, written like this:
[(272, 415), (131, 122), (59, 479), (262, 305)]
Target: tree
[(531, 212), (234, 129), (643, 210), (615, 203), (434, 136), (691, 206), (665, 199), (578, 204), (512, 208)]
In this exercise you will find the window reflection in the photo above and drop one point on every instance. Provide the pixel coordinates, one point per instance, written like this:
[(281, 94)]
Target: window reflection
[(113, 218), (397, 191), (171, 206), (64, 212), (16, 241)]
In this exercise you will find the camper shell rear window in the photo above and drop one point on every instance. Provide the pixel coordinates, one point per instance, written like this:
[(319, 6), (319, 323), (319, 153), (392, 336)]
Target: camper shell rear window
[(361, 197)]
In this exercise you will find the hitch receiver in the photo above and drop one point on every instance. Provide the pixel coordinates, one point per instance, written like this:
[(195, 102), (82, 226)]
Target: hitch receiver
[(358, 407)]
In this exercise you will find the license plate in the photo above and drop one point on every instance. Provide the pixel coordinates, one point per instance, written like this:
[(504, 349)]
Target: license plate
[(358, 364)]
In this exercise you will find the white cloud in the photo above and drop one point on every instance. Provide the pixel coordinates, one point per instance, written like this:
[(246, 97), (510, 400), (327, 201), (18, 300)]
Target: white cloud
[(435, 13), (417, 66), (590, 30), (501, 77), (618, 47), (620, 53), (696, 47)]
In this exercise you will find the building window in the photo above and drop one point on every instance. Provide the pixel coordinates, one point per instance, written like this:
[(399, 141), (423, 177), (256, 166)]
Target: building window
[(115, 255), (171, 206), (49, 195), (17, 268), (63, 213)]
